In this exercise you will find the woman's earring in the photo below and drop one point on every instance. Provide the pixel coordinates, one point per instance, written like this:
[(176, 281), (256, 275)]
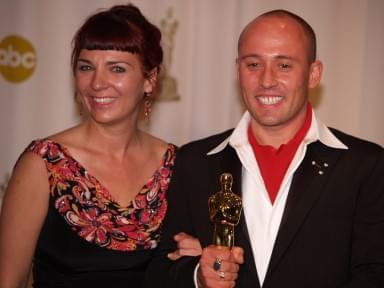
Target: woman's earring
[(147, 104)]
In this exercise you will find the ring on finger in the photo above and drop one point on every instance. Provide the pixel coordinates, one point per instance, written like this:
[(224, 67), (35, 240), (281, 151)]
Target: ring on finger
[(217, 264), (221, 275)]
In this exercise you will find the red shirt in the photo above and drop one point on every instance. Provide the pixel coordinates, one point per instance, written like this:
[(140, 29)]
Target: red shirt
[(273, 163)]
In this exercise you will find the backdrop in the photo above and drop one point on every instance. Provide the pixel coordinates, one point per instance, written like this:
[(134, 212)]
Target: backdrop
[(200, 93)]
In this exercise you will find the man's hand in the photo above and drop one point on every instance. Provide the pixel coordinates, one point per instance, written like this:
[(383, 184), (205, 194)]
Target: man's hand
[(219, 267)]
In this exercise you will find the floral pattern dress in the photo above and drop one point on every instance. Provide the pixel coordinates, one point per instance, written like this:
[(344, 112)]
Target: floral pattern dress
[(84, 213)]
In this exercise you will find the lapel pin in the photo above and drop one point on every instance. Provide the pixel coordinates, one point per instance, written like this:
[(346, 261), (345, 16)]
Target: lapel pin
[(320, 167)]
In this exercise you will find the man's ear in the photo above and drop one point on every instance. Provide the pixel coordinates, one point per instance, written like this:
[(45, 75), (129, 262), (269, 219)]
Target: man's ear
[(238, 69), (315, 73)]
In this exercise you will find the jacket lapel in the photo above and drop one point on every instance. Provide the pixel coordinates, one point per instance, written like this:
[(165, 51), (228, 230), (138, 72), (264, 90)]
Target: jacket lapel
[(229, 162), (307, 184)]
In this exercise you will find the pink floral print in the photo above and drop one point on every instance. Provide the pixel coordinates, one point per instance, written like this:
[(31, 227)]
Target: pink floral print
[(89, 209)]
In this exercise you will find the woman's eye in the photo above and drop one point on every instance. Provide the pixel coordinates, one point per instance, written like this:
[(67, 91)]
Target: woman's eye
[(118, 69), (84, 68)]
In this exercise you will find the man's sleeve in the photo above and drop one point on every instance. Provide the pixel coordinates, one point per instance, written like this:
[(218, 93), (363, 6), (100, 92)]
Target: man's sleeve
[(367, 261), (163, 272)]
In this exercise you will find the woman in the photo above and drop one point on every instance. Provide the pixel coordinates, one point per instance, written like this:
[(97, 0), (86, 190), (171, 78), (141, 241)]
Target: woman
[(86, 204)]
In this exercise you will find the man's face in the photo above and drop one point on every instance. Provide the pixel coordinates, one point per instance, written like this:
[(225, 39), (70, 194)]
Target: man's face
[(275, 73)]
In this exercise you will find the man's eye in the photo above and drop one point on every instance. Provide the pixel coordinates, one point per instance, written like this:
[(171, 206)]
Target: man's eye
[(253, 65), (285, 66), (118, 69)]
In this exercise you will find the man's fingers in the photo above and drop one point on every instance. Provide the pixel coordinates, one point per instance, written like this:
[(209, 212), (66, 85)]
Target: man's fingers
[(237, 254), (216, 279), (229, 267)]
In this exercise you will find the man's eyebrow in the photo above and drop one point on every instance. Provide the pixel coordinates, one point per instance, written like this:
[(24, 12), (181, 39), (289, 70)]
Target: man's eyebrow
[(286, 57), (255, 55), (252, 55)]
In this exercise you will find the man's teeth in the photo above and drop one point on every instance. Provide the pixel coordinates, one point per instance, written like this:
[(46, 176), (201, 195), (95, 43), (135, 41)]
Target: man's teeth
[(103, 100), (270, 100)]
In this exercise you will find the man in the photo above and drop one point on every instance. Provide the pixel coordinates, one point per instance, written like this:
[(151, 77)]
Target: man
[(313, 197)]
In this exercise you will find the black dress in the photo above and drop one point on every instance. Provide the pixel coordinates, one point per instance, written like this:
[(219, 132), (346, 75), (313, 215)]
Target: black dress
[(88, 239)]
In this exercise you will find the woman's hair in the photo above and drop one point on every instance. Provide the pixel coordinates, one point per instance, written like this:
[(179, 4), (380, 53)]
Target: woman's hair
[(121, 28)]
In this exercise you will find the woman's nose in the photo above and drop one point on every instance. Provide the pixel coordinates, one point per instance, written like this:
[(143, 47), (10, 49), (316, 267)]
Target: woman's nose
[(99, 80)]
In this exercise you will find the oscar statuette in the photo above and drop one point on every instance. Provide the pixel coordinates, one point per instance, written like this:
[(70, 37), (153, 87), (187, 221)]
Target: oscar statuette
[(224, 210)]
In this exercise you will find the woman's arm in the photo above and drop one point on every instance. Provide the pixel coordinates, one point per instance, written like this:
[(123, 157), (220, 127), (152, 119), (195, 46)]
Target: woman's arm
[(24, 208), (186, 246)]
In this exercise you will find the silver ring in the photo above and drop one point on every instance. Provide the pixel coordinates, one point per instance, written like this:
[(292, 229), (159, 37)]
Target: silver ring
[(221, 275), (217, 264)]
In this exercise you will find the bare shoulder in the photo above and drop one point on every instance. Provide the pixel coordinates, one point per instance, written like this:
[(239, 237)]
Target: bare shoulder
[(29, 172), (155, 144), (30, 163), (67, 137), (23, 212)]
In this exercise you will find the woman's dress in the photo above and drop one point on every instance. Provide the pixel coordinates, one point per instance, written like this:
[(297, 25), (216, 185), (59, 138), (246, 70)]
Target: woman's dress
[(88, 239)]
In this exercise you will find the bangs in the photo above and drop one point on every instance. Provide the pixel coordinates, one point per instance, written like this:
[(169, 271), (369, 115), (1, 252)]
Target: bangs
[(113, 36), (121, 28)]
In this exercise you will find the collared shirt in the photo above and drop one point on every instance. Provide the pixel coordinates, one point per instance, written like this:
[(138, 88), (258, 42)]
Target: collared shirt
[(273, 162), (262, 217)]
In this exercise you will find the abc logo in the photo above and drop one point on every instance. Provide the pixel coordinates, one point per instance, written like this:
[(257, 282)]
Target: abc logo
[(17, 58)]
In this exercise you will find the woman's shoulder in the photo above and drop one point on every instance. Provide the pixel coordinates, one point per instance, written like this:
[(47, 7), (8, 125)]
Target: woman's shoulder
[(158, 144), (50, 145), (41, 146), (31, 162), (66, 137)]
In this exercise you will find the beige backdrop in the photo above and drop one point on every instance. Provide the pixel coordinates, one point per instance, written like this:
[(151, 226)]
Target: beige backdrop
[(200, 39)]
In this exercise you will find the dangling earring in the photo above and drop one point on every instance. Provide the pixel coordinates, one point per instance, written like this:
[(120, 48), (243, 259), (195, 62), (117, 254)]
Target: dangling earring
[(147, 104)]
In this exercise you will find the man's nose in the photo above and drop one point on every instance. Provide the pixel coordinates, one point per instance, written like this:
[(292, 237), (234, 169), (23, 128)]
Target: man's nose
[(268, 77)]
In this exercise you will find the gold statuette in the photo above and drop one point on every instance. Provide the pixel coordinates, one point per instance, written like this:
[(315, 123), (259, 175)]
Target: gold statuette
[(225, 210)]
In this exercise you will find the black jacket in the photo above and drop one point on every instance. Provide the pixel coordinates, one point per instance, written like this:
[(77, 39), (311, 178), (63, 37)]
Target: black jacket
[(331, 234)]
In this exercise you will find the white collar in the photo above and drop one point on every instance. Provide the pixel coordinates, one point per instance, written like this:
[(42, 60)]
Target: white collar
[(317, 131)]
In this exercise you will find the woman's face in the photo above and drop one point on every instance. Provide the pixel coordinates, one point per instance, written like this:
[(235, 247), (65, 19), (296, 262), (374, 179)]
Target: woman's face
[(111, 84)]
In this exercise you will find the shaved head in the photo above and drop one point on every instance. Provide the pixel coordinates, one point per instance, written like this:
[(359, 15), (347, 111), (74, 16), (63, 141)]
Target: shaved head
[(306, 28)]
